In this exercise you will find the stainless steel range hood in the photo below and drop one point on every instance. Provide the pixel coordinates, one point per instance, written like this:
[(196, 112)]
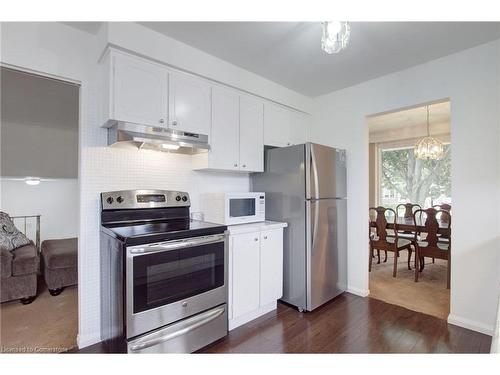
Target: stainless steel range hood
[(127, 134)]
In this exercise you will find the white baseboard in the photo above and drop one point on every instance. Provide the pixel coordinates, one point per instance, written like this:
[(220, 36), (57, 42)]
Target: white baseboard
[(86, 340), (236, 322), (358, 291), (470, 324)]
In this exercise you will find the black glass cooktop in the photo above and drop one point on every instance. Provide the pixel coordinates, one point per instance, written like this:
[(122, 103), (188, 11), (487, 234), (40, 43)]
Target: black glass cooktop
[(146, 232)]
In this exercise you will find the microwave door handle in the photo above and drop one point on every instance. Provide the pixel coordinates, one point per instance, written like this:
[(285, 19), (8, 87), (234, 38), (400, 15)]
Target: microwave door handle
[(197, 322), (177, 244)]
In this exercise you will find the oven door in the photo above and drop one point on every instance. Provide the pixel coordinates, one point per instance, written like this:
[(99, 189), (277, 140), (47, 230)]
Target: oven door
[(172, 280)]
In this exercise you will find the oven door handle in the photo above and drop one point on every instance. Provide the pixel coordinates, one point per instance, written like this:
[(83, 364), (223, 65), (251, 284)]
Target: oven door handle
[(197, 322), (177, 244)]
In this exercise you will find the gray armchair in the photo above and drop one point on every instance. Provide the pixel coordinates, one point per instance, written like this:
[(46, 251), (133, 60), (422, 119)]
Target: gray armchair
[(19, 269)]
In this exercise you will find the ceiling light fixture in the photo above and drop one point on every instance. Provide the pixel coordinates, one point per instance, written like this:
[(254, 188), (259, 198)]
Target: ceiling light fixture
[(32, 180), (335, 37), (429, 148)]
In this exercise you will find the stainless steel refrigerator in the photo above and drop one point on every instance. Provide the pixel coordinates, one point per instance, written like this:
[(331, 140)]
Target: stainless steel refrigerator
[(305, 186)]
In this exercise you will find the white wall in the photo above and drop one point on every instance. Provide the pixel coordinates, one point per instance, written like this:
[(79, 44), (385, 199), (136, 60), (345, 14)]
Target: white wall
[(67, 52), (470, 80), (55, 200)]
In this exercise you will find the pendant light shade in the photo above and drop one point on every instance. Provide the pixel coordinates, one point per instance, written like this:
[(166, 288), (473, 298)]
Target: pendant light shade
[(335, 36), (429, 148)]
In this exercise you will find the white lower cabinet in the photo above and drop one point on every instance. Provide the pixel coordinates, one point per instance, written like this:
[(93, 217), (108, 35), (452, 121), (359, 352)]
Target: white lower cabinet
[(255, 272), (245, 262), (271, 266)]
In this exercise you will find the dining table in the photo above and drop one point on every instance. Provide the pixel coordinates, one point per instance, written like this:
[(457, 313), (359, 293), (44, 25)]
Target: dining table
[(407, 224)]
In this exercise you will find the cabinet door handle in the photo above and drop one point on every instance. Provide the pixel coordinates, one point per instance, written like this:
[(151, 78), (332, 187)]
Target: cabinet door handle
[(174, 123), (235, 164), (265, 237), (161, 121), (255, 239), (244, 165)]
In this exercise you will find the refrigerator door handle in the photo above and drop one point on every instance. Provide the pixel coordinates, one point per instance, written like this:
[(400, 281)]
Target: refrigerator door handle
[(314, 229), (314, 168)]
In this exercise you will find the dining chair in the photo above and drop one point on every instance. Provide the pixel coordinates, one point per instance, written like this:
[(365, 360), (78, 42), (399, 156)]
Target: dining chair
[(443, 207), (374, 252), (409, 208), (371, 234), (382, 241), (431, 246)]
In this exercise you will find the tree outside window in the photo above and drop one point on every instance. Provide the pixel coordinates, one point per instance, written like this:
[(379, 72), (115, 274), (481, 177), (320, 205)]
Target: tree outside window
[(405, 179)]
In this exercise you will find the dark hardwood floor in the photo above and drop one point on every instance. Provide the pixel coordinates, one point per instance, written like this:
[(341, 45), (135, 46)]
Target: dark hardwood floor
[(348, 324)]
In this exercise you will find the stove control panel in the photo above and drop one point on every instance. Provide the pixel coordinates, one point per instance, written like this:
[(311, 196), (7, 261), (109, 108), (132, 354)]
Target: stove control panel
[(136, 199)]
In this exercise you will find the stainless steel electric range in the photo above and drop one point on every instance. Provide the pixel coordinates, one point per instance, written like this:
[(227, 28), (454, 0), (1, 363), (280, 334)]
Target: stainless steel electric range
[(163, 276)]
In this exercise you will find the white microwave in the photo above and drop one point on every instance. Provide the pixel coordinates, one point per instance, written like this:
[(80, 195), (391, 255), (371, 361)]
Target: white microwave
[(234, 208)]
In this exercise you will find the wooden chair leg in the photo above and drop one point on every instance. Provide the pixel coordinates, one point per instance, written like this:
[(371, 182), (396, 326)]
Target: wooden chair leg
[(395, 270), (370, 261), (385, 259), (409, 258), (417, 265), (433, 260), (378, 256)]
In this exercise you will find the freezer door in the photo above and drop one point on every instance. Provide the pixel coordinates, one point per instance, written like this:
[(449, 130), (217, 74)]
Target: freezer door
[(326, 256), (326, 172)]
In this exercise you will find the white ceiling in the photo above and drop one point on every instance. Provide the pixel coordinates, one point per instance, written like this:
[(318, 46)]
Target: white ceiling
[(290, 54), (439, 113)]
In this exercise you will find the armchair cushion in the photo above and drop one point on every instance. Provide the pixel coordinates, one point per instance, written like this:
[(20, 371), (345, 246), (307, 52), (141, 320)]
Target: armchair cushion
[(10, 237), (25, 260), (5, 263)]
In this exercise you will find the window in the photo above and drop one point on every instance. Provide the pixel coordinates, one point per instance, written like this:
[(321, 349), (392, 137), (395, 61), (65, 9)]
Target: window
[(403, 178)]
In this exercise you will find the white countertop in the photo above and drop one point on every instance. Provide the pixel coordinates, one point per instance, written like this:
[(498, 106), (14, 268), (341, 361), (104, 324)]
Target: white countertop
[(254, 227)]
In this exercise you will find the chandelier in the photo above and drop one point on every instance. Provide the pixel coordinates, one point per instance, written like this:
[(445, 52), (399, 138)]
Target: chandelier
[(429, 148), (335, 37)]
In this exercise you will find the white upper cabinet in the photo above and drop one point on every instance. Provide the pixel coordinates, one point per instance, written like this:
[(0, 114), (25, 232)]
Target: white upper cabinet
[(283, 126), (139, 91), (238, 125), (251, 135), (298, 127), (276, 125), (189, 104), (236, 135), (224, 134)]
